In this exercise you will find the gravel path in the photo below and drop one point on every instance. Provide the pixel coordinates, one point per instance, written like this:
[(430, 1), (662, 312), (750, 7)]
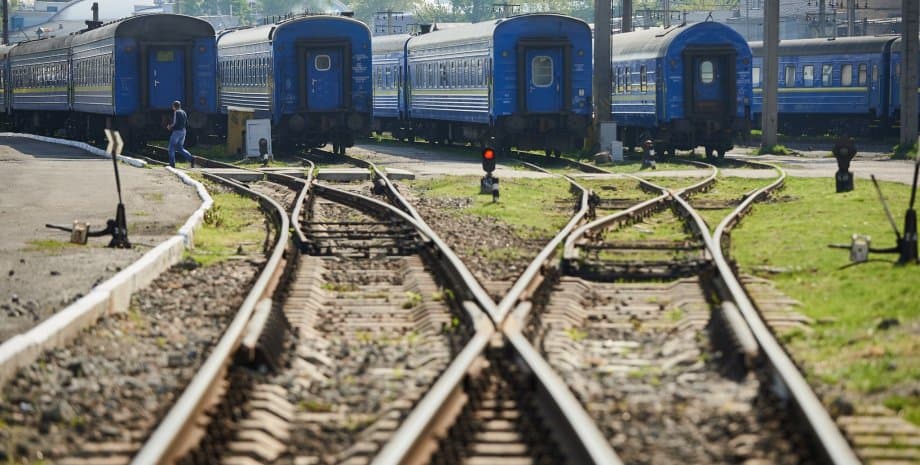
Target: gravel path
[(104, 393)]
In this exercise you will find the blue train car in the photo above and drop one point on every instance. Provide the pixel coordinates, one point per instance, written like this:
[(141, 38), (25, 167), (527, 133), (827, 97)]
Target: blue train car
[(390, 97), (5, 80), (683, 87), (126, 74), (40, 84), (523, 81), (839, 85), (894, 74), (312, 74)]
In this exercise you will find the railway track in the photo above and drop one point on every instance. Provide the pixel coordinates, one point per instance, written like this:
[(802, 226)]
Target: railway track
[(492, 398), (646, 329)]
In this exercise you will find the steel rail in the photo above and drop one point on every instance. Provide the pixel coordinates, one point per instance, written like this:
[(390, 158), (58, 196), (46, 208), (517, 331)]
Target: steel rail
[(164, 444), (479, 294), (414, 434), (410, 439), (829, 438), (595, 447)]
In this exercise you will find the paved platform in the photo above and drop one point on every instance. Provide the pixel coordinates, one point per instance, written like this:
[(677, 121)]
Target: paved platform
[(241, 175), (40, 272), (343, 174)]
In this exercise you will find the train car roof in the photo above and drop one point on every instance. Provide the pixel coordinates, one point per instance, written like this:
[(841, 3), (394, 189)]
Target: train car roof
[(149, 26), (265, 33), (390, 43), (476, 31), (40, 45), (655, 41), (828, 46)]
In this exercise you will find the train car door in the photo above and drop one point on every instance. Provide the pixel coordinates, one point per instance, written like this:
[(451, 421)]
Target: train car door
[(543, 75), (712, 87), (325, 79), (165, 76)]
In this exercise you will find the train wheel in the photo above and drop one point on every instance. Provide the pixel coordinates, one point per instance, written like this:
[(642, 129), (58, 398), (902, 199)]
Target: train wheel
[(548, 152), (709, 152), (721, 153), (557, 153)]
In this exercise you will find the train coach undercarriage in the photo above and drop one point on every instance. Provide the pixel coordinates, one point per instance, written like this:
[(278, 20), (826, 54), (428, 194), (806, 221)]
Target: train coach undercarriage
[(319, 129), (550, 133), (715, 137)]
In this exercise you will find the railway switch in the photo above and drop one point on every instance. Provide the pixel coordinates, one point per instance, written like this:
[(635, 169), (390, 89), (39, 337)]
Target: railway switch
[(844, 150)]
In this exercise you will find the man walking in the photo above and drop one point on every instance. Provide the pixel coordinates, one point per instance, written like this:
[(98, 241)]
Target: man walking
[(177, 138)]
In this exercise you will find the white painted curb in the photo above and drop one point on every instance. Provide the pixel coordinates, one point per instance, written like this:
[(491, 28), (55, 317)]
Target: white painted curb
[(135, 162), (114, 295)]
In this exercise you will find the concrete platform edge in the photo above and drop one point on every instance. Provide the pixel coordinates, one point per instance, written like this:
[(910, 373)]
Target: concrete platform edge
[(114, 295), (137, 163)]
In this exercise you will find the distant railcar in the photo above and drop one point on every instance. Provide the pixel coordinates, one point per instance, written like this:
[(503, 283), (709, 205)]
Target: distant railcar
[(894, 78), (523, 81), (390, 96), (123, 75), (311, 74), (5, 81), (840, 85), (683, 87), (40, 84)]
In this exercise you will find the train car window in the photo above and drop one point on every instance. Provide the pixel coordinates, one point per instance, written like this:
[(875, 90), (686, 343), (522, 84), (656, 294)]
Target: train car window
[(643, 79), (541, 69), (322, 62), (827, 74), (846, 75), (790, 76), (875, 73), (808, 75), (627, 79), (707, 74), (755, 76), (863, 74)]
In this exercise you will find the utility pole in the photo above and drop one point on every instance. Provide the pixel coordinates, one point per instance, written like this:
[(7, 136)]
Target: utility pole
[(6, 22), (822, 17), (910, 17), (667, 13), (626, 25), (851, 18), (768, 121), (601, 90)]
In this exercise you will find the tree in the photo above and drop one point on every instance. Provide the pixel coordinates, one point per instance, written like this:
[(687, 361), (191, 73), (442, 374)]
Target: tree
[(365, 9), (283, 7)]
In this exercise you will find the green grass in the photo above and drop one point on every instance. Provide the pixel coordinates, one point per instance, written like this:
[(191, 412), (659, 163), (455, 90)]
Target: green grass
[(534, 207), (846, 348), (615, 188), (777, 149), (632, 166), (673, 182), (728, 188), (664, 225), (233, 225), (909, 153), (48, 245)]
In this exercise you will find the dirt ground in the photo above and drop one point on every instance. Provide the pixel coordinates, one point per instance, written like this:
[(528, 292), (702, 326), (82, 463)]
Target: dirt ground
[(40, 271)]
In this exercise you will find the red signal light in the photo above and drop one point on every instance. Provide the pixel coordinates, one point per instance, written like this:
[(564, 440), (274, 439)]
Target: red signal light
[(488, 160)]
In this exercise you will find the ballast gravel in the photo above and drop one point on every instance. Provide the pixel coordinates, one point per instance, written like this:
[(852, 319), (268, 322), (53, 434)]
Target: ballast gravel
[(118, 378)]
